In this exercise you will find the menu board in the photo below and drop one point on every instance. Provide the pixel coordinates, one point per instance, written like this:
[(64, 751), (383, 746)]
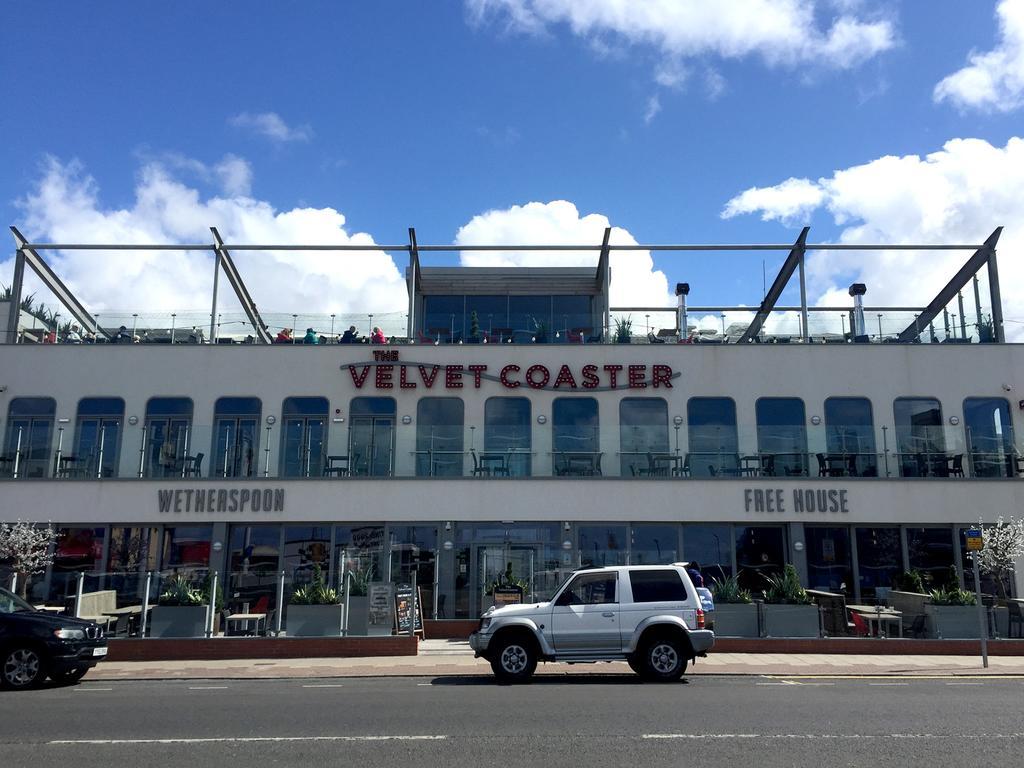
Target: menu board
[(508, 594), (403, 610)]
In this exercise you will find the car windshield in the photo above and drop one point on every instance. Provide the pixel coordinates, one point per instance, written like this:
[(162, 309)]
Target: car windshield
[(11, 603)]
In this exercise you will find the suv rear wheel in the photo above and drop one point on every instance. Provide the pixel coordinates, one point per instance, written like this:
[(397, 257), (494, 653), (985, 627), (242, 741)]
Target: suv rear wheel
[(514, 659), (663, 660), (21, 667)]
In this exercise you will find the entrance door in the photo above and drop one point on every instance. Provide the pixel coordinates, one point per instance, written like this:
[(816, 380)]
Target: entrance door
[(236, 454), (303, 446), (585, 618), (505, 564), (371, 448)]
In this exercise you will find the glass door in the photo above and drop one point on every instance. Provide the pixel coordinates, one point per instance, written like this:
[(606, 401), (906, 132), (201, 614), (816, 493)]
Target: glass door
[(371, 446), (303, 446), (236, 446), (168, 445), (505, 564), (29, 438), (97, 446)]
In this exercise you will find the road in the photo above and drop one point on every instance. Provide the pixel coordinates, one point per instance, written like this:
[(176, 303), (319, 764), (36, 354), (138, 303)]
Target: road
[(579, 720)]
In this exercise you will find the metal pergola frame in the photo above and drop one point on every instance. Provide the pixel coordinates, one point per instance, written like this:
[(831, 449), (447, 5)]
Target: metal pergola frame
[(984, 255)]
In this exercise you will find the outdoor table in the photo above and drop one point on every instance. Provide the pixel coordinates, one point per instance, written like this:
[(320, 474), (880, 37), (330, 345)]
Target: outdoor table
[(49, 608), (494, 463), (837, 464), (579, 463), (875, 617), (235, 618), (750, 466), (130, 612)]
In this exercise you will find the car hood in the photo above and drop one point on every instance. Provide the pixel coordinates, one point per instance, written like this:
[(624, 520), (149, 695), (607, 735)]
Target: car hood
[(526, 609), (54, 620)]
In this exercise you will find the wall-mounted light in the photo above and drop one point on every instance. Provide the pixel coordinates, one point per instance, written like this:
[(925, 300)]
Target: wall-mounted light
[(217, 546), (566, 545), (448, 546), (407, 419), (448, 525), (815, 419), (271, 420), (542, 419), (677, 420), (567, 525), (798, 546), (954, 420), (133, 420)]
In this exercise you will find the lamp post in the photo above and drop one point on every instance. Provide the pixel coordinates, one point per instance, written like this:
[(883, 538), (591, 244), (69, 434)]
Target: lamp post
[(174, 315), (723, 323), (879, 326), (332, 325), (295, 327), (135, 324)]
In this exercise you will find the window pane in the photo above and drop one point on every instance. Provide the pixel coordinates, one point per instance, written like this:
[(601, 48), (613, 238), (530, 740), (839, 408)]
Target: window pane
[(360, 548), (590, 589), (572, 315), (709, 548), (29, 432), (97, 438), (760, 552), (656, 586), (850, 433), (920, 442), (713, 441), (930, 551), (439, 430), (168, 435), (305, 406), (530, 316), (782, 433), (879, 559), (989, 437), (643, 429), (305, 548), (576, 447), (187, 547), (76, 549), (602, 545), (654, 545), (443, 317), (237, 435), (491, 316), (829, 565), (507, 433)]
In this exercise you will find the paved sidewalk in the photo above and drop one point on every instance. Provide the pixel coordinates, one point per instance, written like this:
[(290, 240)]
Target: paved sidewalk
[(448, 658)]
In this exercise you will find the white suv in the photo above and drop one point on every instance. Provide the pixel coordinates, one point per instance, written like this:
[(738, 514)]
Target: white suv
[(647, 615)]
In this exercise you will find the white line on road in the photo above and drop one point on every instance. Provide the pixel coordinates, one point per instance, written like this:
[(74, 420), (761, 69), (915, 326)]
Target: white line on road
[(207, 687), (422, 685), (964, 683), (245, 739), (324, 685), (812, 736), (885, 685), (89, 690)]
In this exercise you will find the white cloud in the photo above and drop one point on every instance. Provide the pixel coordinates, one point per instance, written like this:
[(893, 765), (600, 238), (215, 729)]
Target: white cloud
[(789, 202), (653, 108), (272, 126), (65, 206), (959, 194), (635, 281), (992, 81), (235, 175), (785, 32)]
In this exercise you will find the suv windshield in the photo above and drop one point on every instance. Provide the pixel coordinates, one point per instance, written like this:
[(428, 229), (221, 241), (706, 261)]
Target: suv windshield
[(11, 603)]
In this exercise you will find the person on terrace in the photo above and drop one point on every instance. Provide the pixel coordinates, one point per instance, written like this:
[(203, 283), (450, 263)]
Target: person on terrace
[(350, 336), (378, 337), (284, 336), (310, 337)]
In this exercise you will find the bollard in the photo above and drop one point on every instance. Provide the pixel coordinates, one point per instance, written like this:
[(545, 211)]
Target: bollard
[(145, 606), (412, 605), (280, 604), (345, 596), (78, 594), (14, 583)]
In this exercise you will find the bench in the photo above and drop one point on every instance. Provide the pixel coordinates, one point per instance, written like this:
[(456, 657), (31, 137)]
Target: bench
[(914, 607), (95, 605)]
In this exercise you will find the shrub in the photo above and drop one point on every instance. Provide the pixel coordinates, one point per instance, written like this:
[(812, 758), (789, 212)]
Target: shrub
[(785, 589), (728, 590), (952, 596), (180, 591), (316, 592), (908, 581)]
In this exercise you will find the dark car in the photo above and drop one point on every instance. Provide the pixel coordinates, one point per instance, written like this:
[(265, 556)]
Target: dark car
[(35, 645)]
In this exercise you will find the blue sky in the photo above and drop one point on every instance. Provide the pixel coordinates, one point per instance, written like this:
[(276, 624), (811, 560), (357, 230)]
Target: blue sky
[(399, 114)]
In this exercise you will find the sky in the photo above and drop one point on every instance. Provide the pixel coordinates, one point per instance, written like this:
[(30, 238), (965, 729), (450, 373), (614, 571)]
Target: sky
[(513, 122)]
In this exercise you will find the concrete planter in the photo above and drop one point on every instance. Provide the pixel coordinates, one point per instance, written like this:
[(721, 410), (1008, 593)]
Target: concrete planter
[(955, 621), (358, 616), (791, 620), (736, 620), (178, 621), (315, 620)]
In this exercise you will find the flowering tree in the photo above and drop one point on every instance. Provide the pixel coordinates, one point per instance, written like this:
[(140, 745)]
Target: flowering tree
[(26, 548), (1003, 545)]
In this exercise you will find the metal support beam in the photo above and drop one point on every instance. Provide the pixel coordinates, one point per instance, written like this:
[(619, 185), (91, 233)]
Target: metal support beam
[(14, 311), (604, 276), (414, 281), (984, 254), (794, 260), (998, 332), (244, 298), (51, 281)]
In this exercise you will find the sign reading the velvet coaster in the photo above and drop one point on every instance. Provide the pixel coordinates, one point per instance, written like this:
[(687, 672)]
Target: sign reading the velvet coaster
[(403, 610)]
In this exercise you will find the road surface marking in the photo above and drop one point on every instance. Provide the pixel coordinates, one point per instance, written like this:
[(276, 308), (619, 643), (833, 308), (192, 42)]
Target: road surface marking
[(890, 685), (824, 736), (207, 687), (244, 739), (963, 683), (421, 685), (324, 685), (87, 690)]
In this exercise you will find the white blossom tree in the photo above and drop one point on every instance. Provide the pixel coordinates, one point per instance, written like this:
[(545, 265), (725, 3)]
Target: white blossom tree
[(27, 549), (1003, 545)]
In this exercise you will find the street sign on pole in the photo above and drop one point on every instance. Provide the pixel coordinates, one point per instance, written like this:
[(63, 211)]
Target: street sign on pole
[(975, 542)]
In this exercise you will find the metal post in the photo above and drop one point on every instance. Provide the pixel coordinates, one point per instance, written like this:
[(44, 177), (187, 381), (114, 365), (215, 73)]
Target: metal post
[(99, 463), (345, 594), (184, 464), (963, 317), (60, 450), (977, 304), (213, 309), (228, 448), (142, 454), (997, 302), (145, 605), (945, 320), (280, 604), (14, 583), (885, 448), (879, 326), (14, 311), (17, 454), (135, 324), (332, 327), (78, 594), (803, 300), (266, 466), (412, 618), (173, 316), (211, 609), (682, 322), (982, 624)]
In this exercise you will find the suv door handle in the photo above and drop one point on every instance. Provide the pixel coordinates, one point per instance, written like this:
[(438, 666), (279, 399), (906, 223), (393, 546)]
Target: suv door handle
[(608, 615)]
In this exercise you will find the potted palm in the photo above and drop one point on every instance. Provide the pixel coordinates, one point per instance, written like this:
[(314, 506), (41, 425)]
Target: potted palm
[(315, 609), (623, 330), (181, 609), (357, 597), (788, 609), (474, 328), (954, 613), (735, 611)]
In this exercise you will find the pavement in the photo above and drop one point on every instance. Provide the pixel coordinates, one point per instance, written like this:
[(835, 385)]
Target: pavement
[(440, 658), (469, 721)]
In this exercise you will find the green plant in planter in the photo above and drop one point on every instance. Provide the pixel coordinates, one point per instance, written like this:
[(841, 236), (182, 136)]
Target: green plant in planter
[(728, 590), (316, 592), (909, 581), (784, 588), (180, 591), (540, 331), (623, 330), (952, 596), (474, 326), (359, 582)]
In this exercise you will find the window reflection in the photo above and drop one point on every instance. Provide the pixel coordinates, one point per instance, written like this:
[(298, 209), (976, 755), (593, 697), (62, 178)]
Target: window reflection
[(710, 547), (439, 430), (654, 545), (850, 438), (575, 440), (782, 434), (920, 441), (168, 435), (29, 432), (236, 438), (829, 564), (97, 439), (602, 545), (930, 551), (879, 559), (713, 439), (304, 436), (643, 430), (989, 437), (760, 552), (507, 437)]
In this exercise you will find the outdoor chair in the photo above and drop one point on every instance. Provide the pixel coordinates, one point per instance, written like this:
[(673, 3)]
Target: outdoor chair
[(919, 626), (652, 339), (194, 465), (477, 468), (336, 466), (860, 627), (822, 465), (957, 470)]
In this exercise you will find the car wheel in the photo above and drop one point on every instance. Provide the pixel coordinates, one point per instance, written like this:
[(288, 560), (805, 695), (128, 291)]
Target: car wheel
[(22, 668), (664, 660), (69, 676), (514, 660), (635, 663)]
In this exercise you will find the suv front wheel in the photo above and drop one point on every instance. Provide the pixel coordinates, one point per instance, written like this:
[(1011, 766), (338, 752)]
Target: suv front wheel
[(663, 659), (514, 659), (21, 667)]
